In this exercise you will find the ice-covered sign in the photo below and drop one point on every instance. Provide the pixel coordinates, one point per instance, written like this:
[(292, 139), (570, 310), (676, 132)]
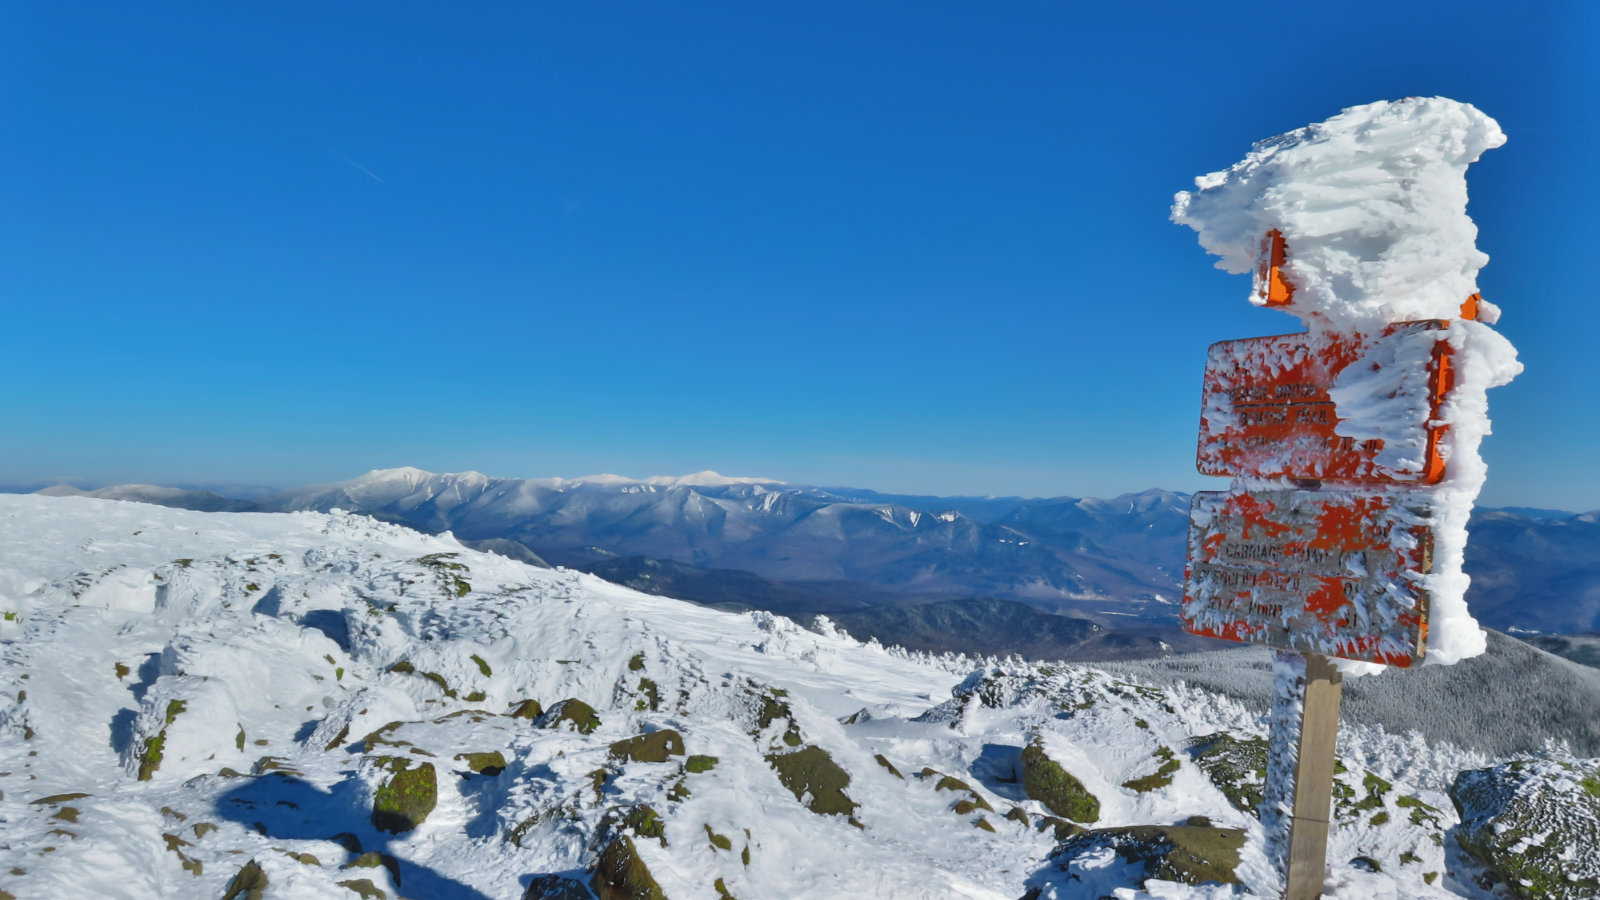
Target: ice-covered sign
[(1330, 572), (1358, 226), (1268, 408)]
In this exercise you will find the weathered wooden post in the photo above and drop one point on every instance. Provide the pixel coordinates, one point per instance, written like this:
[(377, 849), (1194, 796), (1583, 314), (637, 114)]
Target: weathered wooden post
[(1299, 789)]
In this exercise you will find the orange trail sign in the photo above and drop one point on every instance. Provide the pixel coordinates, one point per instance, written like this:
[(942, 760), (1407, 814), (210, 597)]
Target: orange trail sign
[(1335, 573), (1267, 411)]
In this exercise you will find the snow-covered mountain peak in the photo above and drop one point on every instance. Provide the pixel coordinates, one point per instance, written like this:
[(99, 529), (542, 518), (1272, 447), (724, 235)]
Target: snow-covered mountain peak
[(706, 478), (409, 475)]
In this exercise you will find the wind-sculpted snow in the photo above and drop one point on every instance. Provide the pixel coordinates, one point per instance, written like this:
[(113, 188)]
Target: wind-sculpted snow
[(326, 706)]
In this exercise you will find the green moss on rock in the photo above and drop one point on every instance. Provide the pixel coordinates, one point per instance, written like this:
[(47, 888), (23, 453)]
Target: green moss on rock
[(811, 771), (55, 799), (1047, 782), (1238, 767), (1535, 825), (250, 883), (1061, 827), (527, 709), (652, 695), (365, 889), (492, 762), (699, 763), (1158, 779), (884, 761), (621, 875), (579, 714), (406, 798), (372, 859), (150, 755), (718, 841), (657, 746), (1190, 854)]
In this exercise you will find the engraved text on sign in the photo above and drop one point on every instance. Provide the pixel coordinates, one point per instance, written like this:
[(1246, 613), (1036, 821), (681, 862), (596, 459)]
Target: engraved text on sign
[(1267, 412), (1329, 573)]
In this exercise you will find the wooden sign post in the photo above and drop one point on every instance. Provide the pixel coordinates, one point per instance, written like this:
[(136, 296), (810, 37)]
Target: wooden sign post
[(1323, 562)]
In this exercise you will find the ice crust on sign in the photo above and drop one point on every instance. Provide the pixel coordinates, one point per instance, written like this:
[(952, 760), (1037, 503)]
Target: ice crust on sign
[(1372, 208), (1372, 205)]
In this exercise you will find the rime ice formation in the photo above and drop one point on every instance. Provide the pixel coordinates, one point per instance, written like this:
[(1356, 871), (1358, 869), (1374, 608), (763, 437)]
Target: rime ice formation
[(1371, 205)]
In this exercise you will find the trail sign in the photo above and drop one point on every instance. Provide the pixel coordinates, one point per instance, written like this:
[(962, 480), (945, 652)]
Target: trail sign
[(1333, 573), (1266, 410), (1353, 446)]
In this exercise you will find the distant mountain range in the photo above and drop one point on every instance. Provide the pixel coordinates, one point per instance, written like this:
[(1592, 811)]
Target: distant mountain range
[(856, 554)]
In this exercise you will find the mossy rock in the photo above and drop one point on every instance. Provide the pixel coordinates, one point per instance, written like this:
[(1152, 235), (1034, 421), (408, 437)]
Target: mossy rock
[(1238, 767), (700, 763), (1047, 782), (621, 875), (1158, 779), (372, 859), (773, 708), (884, 761), (365, 889), (652, 696), (810, 770), (657, 746), (150, 755), (1420, 813), (491, 763), (377, 738), (527, 709), (57, 799), (642, 820), (718, 841), (1062, 828), (555, 887), (974, 799), (581, 715), (266, 765), (1191, 854), (250, 883), (404, 801), (1535, 824)]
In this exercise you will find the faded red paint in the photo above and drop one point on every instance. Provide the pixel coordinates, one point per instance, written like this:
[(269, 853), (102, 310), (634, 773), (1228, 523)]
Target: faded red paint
[(1267, 412), (1325, 572)]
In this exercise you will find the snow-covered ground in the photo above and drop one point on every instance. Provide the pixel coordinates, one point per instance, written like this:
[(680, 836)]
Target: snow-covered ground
[(182, 693)]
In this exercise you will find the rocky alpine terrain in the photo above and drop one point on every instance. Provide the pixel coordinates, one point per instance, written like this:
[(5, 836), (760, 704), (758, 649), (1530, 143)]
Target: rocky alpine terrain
[(315, 705)]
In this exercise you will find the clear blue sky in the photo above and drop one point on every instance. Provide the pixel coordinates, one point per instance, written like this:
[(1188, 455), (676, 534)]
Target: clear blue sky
[(917, 247)]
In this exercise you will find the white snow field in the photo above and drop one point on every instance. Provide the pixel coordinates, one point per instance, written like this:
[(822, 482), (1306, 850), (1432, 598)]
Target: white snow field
[(192, 702)]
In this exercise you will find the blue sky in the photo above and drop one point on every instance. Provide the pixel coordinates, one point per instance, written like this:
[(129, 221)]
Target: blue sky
[(917, 247)]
